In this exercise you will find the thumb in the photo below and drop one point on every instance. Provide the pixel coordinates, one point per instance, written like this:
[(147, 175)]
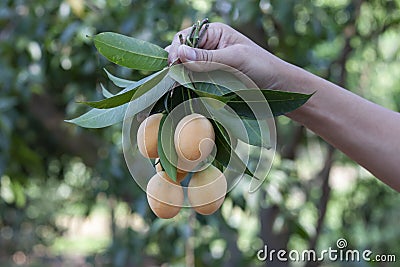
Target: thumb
[(187, 53), (200, 59)]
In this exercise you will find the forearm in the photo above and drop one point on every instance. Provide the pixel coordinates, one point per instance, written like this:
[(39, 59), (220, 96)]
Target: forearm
[(366, 132)]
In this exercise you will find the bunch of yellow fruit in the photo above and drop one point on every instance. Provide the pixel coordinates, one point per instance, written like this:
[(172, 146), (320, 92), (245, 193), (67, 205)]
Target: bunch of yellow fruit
[(194, 141)]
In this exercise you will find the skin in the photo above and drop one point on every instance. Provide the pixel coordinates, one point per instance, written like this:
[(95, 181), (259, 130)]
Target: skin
[(364, 131), (147, 136), (194, 137), (194, 140), (207, 190), (165, 197)]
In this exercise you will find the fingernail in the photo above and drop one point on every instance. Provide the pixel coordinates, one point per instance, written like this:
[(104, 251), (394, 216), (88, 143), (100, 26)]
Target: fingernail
[(189, 53)]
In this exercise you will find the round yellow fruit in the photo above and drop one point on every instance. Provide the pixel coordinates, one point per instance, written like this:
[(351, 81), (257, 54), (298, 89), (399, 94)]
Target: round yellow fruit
[(165, 197), (147, 136), (207, 190), (194, 140)]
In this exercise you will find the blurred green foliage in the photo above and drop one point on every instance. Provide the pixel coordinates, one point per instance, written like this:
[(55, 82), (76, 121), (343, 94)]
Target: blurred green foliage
[(52, 172)]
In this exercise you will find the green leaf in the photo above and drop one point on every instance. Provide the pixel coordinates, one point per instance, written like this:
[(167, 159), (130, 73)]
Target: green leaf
[(181, 75), (258, 132), (280, 102), (166, 146), (99, 118), (168, 102), (105, 92), (225, 153), (253, 132), (218, 82), (130, 93), (123, 83), (223, 99), (131, 52), (211, 88)]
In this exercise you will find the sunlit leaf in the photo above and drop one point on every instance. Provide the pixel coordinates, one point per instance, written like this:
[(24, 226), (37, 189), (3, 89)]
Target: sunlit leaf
[(99, 118), (139, 88), (131, 52), (123, 83), (105, 92)]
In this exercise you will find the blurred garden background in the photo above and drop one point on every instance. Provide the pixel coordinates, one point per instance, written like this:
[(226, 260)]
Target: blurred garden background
[(67, 197)]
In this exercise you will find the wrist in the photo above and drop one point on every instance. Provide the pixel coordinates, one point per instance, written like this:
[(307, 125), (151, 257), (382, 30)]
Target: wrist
[(292, 78)]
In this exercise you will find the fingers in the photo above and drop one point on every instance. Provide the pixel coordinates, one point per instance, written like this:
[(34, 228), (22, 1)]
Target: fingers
[(220, 44), (173, 48), (207, 60), (210, 40)]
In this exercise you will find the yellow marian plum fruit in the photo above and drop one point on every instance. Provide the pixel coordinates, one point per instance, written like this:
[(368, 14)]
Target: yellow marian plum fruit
[(180, 175), (165, 197), (207, 190), (147, 136), (194, 140)]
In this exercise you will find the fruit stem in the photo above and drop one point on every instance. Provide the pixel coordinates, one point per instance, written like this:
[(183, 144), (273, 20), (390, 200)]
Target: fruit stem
[(189, 39), (200, 35), (181, 40), (190, 101), (196, 34)]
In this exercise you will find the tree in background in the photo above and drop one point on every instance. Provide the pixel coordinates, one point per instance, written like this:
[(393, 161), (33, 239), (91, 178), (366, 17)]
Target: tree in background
[(52, 171)]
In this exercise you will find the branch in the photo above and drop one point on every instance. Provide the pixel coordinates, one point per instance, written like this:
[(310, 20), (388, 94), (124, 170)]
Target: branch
[(324, 174), (323, 202)]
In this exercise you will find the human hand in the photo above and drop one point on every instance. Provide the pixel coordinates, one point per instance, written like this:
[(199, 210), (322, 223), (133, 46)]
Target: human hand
[(222, 44)]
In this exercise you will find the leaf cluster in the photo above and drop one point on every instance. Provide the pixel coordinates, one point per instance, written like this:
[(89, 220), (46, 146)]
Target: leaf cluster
[(167, 88)]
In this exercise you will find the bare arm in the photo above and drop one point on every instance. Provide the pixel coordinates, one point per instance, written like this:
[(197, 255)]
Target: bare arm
[(366, 132)]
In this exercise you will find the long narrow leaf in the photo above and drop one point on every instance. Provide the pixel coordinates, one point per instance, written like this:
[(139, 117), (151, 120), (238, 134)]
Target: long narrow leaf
[(253, 132), (131, 52), (280, 102), (138, 89), (166, 147), (123, 83), (105, 92), (223, 99), (99, 118), (226, 156)]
